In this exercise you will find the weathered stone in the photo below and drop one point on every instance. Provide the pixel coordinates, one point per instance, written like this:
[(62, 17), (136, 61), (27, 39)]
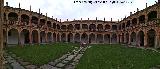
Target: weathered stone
[(77, 57), (46, 66), (31, 67), (24, 63), (69, 57), (60, 65), (65, 62), (52, 63), (69, 67), (16, 65)]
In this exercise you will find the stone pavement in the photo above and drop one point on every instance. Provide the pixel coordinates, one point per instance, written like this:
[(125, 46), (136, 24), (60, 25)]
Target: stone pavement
[(67, 61)]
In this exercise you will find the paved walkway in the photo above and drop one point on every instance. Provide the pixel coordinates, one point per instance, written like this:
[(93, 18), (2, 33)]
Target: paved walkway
[(67, 61)]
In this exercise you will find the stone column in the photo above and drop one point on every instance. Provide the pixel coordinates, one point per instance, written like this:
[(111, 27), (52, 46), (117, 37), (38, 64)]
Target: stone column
[(95, 38), (120, 39), (39, 41), (156, 41), (60, 37), (145, 39), (129, 42), (73, 38), (19, 19), (103, 38), (125, 38), (80, 37), (51, 37), (137, 40), (7, 29), (19, 38), (66, 37), (46, 37), (30, 31), (110, 39), (30, 37)]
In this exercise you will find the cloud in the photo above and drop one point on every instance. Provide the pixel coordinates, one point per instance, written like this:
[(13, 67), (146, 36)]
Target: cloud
[(66, 9)]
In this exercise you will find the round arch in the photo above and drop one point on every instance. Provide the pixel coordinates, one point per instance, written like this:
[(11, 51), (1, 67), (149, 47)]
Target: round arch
[(133, 38), (24, 36), (77, 38), (92, 38), (151, 38), (114, 38), (34, 36), (141, 38), (13, 36)]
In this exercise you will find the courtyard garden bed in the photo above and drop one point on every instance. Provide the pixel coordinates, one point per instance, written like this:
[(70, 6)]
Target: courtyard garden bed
[(103, 56), (43, 53)]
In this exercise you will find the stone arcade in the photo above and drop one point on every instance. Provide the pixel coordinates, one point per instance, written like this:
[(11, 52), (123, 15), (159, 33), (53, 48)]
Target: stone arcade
[(27, 27)]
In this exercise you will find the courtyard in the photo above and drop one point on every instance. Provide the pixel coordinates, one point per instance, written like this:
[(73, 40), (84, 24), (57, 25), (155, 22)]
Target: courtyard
[(96, 56)]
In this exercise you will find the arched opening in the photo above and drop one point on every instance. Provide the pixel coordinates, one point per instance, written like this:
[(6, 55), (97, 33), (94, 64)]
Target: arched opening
[(49, 36), (92, 38), (123, 26), (24, 19), (77, 26), (152, 15), (151, 38), (13, 36), (63, 37), (127, 38), (42, 36), (114, 38), (99, 38), (141, 38), (107, 27), (12, 17), (70, 27), (114, 27), (54, 37), (63, 27), (133, 38), (92, 27), (49, 24), (34, 36), (58, 26), (128, 23), (142, 19), (84, 38), (134, 21), (77, 38), (34, 20), (107, 38), (42, 22), (58, 37), (54, 26), (84, 26), (70, 37), (119, 27), (25, 36), (100, 27)]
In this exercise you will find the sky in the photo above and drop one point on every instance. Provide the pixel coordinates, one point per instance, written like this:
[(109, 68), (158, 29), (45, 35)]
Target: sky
[(67, 9)]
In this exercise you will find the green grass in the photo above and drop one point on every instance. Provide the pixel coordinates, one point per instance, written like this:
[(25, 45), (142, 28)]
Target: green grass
[(118, 57), (42, 54)]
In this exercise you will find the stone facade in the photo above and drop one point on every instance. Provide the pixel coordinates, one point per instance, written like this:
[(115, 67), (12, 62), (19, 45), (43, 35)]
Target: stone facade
[(27, 27)]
